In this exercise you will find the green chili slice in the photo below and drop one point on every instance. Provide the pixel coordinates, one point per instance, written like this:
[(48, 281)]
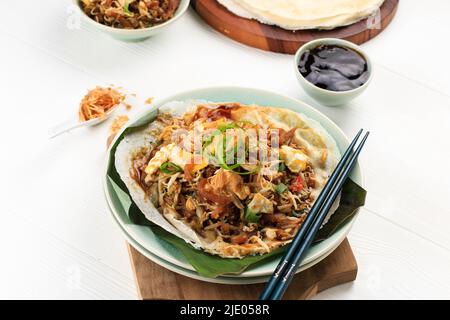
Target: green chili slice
[(170, 168)]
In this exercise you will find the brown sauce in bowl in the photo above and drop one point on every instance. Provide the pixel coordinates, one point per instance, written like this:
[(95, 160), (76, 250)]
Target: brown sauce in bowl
[(334, 68)]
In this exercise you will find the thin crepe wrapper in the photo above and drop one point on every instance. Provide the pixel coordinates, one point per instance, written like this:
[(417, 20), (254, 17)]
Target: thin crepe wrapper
[(211, 266)]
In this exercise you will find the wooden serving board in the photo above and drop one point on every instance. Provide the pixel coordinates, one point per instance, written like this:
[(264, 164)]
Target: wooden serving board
[(156, 282), (272, 38)]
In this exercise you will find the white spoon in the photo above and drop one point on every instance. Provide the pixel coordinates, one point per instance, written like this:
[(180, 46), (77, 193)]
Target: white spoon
[(75, 123)]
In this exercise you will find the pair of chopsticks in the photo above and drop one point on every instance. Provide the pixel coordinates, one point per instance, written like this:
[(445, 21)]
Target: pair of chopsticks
[(285, 271)]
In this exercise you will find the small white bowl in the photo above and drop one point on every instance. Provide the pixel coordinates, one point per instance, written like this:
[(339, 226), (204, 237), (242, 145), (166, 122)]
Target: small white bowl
[(328, 97), (134, 34)]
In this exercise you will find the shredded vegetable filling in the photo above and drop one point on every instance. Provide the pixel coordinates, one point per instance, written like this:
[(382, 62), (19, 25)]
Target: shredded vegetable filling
[(239, 203)]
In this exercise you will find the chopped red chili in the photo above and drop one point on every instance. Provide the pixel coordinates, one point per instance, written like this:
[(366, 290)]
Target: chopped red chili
[(297, 184)]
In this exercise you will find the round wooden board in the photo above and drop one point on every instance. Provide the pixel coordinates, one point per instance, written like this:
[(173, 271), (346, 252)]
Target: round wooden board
[(276, 39)]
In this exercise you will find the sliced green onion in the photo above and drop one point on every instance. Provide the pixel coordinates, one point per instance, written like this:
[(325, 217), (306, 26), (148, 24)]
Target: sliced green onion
[(170, 168), (226, 126), (251, 216), (244, 122), (235, 166), (126, 8), (282, 167), (232, 167), (228, 167), (208, 139), (280, 188), (219, 156)]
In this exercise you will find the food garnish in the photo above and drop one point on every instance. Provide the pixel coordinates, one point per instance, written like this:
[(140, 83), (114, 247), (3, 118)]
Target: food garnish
[(170, 168), (126, 8), (98, 102), (118, 123), (297, 184), (280, 188), (251, 216), (115, 127)]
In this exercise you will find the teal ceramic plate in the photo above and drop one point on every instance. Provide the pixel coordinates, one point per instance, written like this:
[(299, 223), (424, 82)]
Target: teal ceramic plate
[(221, 280), (164, 251)]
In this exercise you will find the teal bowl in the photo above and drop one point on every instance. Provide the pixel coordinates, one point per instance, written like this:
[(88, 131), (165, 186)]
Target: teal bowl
[(327, 97), (133, 35)]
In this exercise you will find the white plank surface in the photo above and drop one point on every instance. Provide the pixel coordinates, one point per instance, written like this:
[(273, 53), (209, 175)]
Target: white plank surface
[(70, 248)]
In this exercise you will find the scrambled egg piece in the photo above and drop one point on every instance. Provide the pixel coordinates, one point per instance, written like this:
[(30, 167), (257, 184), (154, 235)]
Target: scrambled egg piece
[(176, 155), (271, 234), (295, 159), (260, 204)]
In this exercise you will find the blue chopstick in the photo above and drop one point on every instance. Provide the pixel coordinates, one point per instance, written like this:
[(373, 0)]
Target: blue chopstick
[(283, 284), (284, 262)]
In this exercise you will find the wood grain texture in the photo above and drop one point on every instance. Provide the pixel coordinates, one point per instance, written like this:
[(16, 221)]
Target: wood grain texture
[(276, 39), (155, 282)]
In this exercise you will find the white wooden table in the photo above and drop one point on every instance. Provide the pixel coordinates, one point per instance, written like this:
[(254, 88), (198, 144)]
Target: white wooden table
[(57, 238)]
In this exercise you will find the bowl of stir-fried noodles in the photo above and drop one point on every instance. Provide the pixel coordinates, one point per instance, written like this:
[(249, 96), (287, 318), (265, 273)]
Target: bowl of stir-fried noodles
[(131, 20)]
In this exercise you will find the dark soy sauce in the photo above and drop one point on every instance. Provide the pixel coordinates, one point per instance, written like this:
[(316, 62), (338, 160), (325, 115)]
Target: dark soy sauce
[(334, 68)]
